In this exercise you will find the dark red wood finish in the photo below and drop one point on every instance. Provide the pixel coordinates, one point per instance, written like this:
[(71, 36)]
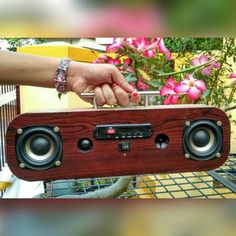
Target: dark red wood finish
[(105, 159)]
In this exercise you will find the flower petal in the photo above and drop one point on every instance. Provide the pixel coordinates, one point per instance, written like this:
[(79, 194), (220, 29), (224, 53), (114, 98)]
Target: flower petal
[(162, 48), (206, 71), (174, 99), (167, 100), (200, 85), (170, 81), (166, 90), (232, 76), (152, 46), (203, 59), (194, 93), (127, 61), (142, 86), (130, 69), (216, 65), (195, 61), (149, 53), (182, 88), (117, 44)]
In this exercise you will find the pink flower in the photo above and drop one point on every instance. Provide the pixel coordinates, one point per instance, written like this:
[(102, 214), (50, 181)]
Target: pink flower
[(101, 59), (142, 86), (127, 61), (169, 90), (114, 61), (127, 65), (202, 60), (140, 44), (191, 86), (116, 45), (162, 49), (149, 53), (233, 76)]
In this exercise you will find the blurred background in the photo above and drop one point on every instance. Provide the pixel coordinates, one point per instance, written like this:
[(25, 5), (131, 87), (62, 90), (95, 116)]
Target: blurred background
[(83, 18)]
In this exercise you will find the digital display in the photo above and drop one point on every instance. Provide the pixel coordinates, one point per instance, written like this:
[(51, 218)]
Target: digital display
[(123, 131)]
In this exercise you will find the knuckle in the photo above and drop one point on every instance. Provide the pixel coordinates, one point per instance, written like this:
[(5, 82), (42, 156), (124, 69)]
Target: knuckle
[(113, 69)]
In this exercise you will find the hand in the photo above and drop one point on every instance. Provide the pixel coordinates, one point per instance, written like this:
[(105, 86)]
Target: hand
[(108, 84)]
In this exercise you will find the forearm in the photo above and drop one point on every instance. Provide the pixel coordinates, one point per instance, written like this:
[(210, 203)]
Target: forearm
[(23, 69)]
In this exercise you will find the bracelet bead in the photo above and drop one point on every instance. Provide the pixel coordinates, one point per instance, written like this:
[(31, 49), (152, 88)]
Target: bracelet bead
[(60, 75)]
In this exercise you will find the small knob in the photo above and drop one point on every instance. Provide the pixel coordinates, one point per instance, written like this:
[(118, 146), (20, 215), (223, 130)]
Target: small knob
[(85, 144)]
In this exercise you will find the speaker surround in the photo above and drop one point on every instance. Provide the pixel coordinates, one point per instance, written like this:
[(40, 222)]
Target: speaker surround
[(202, 140), (116, 142), (38, 147)]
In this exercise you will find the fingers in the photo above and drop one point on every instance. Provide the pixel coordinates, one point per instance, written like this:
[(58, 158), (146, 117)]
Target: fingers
[(108, 95), (119, 79), (121, 95), (135, 97), (115, 95), (100, 99)]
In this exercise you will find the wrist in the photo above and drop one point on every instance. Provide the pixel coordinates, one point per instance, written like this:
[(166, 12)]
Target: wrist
[(76, 76)]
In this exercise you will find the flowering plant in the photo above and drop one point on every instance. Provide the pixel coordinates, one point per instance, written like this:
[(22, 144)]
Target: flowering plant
[(206, 77)]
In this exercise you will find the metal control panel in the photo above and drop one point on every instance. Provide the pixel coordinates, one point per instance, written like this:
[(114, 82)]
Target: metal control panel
[(123, 131)]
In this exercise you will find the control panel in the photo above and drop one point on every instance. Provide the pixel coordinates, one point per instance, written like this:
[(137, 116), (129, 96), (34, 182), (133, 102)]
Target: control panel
[(123, 131)]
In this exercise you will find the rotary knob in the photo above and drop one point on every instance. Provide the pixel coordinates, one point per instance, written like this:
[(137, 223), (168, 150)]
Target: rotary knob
[(85, 144)]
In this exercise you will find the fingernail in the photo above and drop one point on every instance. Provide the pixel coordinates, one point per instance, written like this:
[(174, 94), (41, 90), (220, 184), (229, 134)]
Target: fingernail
[(135, 94)]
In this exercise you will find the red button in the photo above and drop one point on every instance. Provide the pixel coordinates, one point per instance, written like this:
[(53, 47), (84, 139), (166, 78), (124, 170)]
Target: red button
[(111, 131)]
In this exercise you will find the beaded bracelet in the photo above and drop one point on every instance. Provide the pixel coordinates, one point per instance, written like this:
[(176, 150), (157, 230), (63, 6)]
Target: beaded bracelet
[(60, 75)]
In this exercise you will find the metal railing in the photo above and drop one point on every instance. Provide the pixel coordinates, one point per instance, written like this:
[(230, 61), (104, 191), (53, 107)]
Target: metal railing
[(8, 110)]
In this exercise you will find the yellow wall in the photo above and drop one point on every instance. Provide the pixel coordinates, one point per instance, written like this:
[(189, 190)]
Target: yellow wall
[(33, 98)]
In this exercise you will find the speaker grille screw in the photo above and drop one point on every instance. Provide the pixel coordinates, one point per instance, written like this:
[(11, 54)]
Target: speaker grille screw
[(57, 163), (219, 123), (22, 165), (187, 155), (218, 154), (56, 129), (19, 131), (187, 123)]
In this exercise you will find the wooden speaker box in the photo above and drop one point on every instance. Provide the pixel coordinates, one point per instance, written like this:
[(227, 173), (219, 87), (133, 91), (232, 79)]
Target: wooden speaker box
[(115, 142)]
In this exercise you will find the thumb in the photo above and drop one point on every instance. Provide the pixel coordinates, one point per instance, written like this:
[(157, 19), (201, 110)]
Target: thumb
[(119, 79)]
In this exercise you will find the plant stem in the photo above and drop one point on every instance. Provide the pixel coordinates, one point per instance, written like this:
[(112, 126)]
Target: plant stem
[(223, 60), (229, 108), (185, 70)]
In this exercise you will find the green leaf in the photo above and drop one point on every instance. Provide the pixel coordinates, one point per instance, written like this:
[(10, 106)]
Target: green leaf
[(206, 93), (59, 95), (153, 83), (144, 75), (131, 78)]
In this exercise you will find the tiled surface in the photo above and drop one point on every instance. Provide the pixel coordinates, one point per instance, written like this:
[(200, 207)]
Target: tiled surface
[(199, 185), (196, 185)]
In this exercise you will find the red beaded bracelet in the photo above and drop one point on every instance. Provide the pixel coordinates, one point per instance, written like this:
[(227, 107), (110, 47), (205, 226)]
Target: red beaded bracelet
[(60, 75)]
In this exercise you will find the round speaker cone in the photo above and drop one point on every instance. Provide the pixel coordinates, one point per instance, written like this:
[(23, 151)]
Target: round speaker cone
[(202, 140), (39, 147)]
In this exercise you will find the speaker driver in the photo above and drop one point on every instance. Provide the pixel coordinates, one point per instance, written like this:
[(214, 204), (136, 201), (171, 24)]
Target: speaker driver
[(39, 147), (202, 140)]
